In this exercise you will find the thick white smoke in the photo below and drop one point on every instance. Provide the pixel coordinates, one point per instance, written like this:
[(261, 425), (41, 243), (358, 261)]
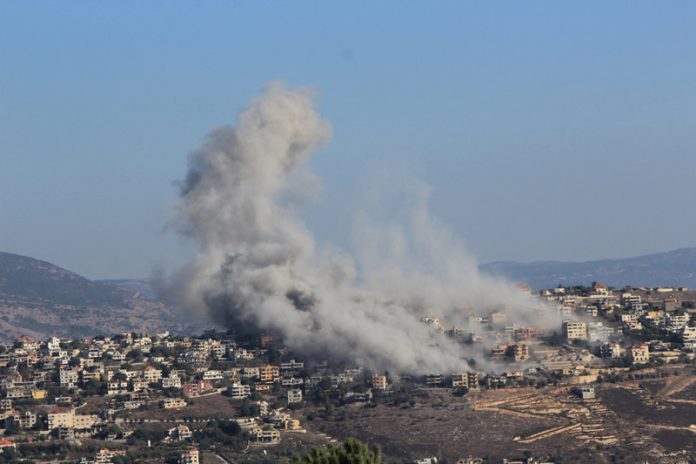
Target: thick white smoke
[(257, 266)]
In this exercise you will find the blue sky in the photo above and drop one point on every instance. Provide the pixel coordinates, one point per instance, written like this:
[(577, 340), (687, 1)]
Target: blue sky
[(548, 130)]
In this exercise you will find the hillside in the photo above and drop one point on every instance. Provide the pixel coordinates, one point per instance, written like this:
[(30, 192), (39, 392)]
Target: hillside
[(673, 268), (39, 299), (28, 279)]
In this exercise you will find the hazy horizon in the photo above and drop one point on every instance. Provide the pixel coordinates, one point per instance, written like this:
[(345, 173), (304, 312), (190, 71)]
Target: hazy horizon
[(546, 131)]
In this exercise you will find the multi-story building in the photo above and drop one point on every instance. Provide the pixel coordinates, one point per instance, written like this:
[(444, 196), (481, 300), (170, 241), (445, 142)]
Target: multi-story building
[(294, 395), (172, 381), (520, 352), (599, 332), (238, 391), (24, 420), (379, 382), (291, 368), (199, 388), (69, 378), (61, 418), (151, 374), (639, 354), (269, 373), (173, 403), (269, 437), (574, 330), (212, 375), (468, 380), (610, 350), (189, 457), (179, 433)]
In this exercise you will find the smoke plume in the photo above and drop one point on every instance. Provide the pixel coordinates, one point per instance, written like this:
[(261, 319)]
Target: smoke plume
[(257, 267)]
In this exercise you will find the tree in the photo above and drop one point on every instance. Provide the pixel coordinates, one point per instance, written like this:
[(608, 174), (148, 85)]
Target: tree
[(351, 452)]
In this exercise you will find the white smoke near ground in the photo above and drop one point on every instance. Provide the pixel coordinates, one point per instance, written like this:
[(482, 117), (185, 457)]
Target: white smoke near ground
[(257, 267)]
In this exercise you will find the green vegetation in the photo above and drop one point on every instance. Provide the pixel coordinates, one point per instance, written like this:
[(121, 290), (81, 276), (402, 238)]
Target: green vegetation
[(351, 452)]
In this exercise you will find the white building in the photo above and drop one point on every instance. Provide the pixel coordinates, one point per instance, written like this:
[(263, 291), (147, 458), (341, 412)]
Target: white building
[(294, 395), (238, 391)]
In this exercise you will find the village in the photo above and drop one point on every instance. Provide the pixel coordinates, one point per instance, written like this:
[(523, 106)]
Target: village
[(215, 397)]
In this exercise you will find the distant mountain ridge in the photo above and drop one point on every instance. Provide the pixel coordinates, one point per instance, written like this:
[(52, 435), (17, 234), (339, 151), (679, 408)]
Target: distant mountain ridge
[(675, 268), (40, 299), (35, 280)]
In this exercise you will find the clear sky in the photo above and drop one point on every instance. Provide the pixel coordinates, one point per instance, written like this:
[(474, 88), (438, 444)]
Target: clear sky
[(548, 130)]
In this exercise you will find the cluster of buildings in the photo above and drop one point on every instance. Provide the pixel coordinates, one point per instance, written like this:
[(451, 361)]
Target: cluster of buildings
[(46, 386)]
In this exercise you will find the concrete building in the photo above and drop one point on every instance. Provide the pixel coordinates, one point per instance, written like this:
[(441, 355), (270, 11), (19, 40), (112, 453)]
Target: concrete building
[(269, 373), (190, 457), (69, 378), (520, 352), (268, 437), (151, 374), (610, 350), (173, 381), (574, 330), (379, 382), (468, 380), (291, 368), (61, 418), (238, 391), (294, 395), (639, 354), (173, 403)]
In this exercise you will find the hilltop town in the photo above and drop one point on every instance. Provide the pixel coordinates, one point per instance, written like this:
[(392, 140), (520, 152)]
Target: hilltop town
[(615, 379)]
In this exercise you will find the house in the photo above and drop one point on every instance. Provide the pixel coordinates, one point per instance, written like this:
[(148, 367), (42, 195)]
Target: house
[(199, 388), (27, 343), (292, 424), (610, 350), (379, 382), (69, 378), (268, 437), (151, 374), (189, 457), (61, 418), (84, 421), (269, 373), (599, 332), (293, 381), (574, 330), (179, 433), (25, 420), (173, 403), (357, 397), (246, 423), (212, 375), (520, 352), (639, 354), (688, 336), (238, 391), (499, 352), (294, 395), (291, 368), (600, 289), (4, 444), (105, 455), (93, 373), (586, 392), (468, 380), (117, 387), (434, 380), (172, 381)]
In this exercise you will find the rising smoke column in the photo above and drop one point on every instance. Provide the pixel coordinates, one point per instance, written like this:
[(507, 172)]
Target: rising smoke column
[(257, 267)]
